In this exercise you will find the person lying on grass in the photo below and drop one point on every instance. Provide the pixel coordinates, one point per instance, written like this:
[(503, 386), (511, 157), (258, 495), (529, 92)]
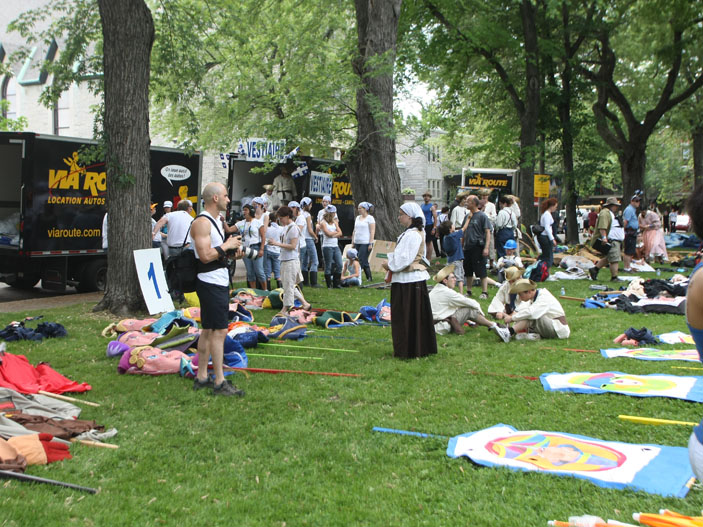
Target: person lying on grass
[(450, 310), (539, 314)]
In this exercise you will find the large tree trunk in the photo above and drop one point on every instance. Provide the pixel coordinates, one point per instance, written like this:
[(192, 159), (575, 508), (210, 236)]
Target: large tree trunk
[(128, 35), (633, 162), (371, 162), (567, 151), (697, 137), (530, 114)]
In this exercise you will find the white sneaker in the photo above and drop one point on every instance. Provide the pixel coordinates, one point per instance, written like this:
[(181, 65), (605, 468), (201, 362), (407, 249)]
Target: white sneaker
[(503, 333), (527, 336)]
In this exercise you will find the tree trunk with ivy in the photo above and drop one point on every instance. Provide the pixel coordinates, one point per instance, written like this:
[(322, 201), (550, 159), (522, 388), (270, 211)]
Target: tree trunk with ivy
[(128, 33), (371, 162)]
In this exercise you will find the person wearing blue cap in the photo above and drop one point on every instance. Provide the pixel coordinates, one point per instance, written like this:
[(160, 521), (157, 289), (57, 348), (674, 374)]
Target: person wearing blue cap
[(511, 259), (351, 270), (363, 236)]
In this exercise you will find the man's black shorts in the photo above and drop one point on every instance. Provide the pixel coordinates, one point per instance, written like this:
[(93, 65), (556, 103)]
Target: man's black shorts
[(214, 305), (474, 262), (429, 237), (630, 245)]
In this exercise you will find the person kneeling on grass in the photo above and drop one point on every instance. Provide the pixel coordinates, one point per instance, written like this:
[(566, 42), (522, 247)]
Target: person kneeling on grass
[(504, 303), (451, 309), (290, 262), (539, 313), (451, 245), (351, 270)]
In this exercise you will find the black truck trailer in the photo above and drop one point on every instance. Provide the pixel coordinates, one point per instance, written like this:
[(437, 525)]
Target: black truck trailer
[(52, 208)]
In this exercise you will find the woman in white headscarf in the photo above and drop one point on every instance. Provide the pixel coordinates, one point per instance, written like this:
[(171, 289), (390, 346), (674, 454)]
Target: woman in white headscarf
[(363, 236), (411, 312)]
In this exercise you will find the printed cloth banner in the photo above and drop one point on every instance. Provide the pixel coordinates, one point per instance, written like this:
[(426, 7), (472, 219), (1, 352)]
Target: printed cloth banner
[(663, 470), (655, 385), (675, 337), (651, 354)]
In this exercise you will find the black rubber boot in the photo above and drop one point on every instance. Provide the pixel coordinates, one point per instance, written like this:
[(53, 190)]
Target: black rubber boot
[(279, 284), (367, 273), (328, 281), (313, 279), (337, 281), (268, 285), (306, 278)]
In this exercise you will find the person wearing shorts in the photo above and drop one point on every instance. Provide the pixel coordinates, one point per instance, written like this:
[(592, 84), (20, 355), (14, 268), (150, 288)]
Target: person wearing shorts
[(212, 289), (477, 239)]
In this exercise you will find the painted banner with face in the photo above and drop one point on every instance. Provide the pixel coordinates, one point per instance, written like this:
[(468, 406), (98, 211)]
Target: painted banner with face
[(655, 385), (656, 469)]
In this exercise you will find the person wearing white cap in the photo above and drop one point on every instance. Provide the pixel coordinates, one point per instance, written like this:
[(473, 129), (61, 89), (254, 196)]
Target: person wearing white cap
[(351, 271), (363, 236), (330, 247), (308, 258), (451, 309), (253, 237), (167, 206), (411, 311), (268, 193), (178, 224)]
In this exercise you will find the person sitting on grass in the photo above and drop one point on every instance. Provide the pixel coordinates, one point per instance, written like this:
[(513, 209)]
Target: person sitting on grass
[(450, 310), (539, 314), (455, 253), (504, 303), (351, 270), (511, 259)]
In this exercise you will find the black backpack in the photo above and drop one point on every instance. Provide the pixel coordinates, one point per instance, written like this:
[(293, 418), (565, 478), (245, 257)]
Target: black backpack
[(182, 270)]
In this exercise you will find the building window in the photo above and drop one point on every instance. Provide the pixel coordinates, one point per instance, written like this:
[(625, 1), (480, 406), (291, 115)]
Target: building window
[(9, 94), (62, 121), (435, 187)]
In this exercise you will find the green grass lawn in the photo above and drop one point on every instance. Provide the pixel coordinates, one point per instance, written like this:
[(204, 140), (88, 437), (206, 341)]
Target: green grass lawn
[(299, 450)]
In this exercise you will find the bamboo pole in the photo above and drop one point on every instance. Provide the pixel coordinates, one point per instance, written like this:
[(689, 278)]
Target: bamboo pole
[(307, 347), (654, 421), (66, 398), (267, 370), (96, 444)]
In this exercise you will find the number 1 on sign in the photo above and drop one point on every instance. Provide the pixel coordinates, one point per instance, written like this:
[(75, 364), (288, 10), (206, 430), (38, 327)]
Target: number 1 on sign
[(152, 275)]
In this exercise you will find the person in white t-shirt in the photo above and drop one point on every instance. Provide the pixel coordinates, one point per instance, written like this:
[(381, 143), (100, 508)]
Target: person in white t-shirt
[(290, 261), (330, 247), (272, 262), (178, 224), (363, 236), (253, 234), (308, 259)]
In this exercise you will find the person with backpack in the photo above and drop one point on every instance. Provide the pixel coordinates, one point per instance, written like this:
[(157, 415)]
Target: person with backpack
[(609, 230), (212, 289), (477, 239), (539, 314)]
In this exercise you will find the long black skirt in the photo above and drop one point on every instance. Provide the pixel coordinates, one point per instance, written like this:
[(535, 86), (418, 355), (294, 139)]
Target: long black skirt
[(411, 321)]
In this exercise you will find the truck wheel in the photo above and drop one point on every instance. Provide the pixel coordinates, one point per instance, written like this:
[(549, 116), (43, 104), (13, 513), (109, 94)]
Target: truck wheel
[(93, 277), (25, 282)]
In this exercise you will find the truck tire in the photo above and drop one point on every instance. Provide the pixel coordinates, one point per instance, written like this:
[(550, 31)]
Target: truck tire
[(93, 277), (25, 282)]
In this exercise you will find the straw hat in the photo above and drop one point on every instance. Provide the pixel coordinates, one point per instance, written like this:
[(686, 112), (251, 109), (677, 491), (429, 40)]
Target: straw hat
[(427, 193), (443, 273), (522, 285), (268, 187), (612, 200), (512, 273)]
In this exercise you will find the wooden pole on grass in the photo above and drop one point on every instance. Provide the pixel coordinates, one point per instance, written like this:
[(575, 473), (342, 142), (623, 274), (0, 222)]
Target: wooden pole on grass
[(66, 398)]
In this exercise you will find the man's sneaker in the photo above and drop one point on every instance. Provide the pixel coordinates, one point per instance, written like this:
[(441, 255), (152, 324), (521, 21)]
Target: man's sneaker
[(628, 270), (593, 273), (527, 336), (483, 296), (503, 333), (227, 388), (197, 385)]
